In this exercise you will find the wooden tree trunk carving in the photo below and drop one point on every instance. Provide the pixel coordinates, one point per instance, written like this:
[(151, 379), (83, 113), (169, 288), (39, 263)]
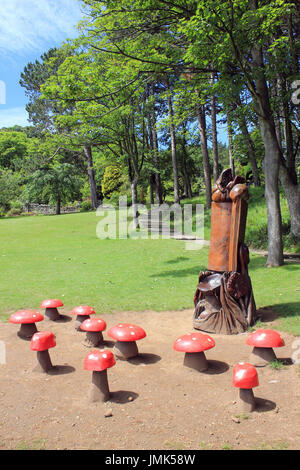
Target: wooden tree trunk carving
[(223, 300)]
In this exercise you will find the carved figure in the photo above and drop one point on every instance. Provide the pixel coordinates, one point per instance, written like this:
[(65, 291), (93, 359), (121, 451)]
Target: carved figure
[(223, 300)]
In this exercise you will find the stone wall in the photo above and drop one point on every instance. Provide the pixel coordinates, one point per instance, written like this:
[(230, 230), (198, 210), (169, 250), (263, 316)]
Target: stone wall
[(46, 209)]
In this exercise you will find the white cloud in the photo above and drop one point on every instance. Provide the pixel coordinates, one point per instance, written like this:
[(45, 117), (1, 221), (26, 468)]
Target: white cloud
[(28, 25), (10, 117)]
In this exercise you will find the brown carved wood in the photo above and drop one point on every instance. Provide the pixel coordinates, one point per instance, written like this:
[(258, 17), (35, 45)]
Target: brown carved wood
[(224, 301), (221, 215), (237, 232)]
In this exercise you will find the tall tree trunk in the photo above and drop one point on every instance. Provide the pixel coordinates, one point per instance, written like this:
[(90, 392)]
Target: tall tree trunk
[(292, 194), (58, 205), (185, 173), (152, 185), (154, 141), (206, 166), (272, 156), (173, 145), (134, 195), (214, 134), (230, 146), (250, 150), (91, 174), (133, 178), (274, 92), (288, 135)]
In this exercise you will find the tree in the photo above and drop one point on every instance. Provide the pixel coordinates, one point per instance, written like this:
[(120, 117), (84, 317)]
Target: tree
[(56, 183)]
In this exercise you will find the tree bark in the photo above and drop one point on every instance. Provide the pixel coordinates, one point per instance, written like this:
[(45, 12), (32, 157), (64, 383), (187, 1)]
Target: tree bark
[(91, 174), (173, 145), (292, 193), (250, 150), (230, 147), (214, 135), (154, 144), (58, 206), (206, 166), (185, 173), (272, 156)]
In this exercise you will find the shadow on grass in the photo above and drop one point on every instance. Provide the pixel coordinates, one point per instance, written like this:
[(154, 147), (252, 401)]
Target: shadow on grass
[(259, 261), (194, 271), (283, 310), (177, 260)]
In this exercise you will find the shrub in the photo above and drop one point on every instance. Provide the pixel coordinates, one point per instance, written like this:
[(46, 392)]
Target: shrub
[(14, 212), (16, 205), (112, 180), (28, 214), (86, 206)]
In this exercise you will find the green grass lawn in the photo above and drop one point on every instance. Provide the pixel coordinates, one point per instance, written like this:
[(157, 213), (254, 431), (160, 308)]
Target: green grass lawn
[(256, 229), (61, 257)]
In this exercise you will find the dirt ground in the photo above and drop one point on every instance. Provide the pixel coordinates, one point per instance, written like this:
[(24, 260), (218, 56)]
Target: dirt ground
[(156, 402)]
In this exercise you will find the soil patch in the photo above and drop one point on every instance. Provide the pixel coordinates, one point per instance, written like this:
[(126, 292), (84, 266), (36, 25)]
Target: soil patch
[(156, 402)]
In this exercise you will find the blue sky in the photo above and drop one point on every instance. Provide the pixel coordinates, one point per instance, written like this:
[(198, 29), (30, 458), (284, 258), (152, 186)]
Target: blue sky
[(28, 28)]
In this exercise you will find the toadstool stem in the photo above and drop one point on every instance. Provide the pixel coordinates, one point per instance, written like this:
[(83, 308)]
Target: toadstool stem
[(27, 330), (52, 314), (262, 356), (125, 349), (196, 361), (44, 361), (247, 400), (93, 338), (79, 320), (99, 388)]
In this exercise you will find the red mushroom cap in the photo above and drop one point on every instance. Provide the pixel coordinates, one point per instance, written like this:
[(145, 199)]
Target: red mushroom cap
[(26, 316), (83, 310), (42, 341), (126, 332), (99, 360), (245, 375), (265, 339), (51, 303), (93, 324), (194, 342)]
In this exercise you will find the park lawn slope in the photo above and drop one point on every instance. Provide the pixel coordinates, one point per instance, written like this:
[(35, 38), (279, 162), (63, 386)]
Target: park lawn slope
[(61, 257)]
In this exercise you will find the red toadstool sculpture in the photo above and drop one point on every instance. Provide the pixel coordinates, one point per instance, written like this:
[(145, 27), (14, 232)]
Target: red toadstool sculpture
[(27, 319), (82, 313), (93, 328), (126, 335), (263, 342), (194, 345), (50, 306), (98, 362), (245, 378), (42, 342)]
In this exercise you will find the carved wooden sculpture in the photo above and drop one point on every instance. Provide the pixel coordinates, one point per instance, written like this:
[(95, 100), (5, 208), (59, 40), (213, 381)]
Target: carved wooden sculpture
[(223, 300)]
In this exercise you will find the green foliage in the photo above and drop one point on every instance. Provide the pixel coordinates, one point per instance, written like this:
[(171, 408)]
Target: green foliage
[(112, 180), (14, 212), (9, 188), (86, 205), (56, 183)]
